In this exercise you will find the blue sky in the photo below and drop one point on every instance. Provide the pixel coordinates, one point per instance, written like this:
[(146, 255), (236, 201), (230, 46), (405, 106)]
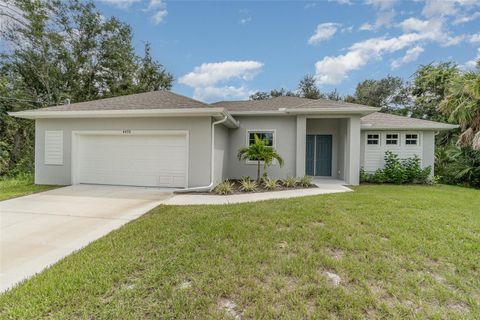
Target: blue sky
[(226, 50)]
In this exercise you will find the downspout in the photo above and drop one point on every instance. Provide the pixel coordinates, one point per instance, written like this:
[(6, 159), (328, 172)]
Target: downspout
[(212, 164)]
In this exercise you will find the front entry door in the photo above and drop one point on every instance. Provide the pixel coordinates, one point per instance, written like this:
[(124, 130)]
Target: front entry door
[(319, 155)]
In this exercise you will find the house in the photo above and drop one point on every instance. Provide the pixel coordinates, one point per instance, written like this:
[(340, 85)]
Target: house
[(164, 139)]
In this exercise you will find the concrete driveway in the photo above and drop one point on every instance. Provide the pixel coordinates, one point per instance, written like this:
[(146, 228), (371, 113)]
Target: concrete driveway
[(40, 229)]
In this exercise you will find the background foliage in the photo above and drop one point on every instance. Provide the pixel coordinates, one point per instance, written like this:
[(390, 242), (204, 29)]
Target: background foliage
[(57, 50)]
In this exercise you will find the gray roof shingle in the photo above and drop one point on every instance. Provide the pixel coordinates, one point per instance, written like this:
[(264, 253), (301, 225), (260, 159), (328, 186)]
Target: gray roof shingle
[(148, 100), (379, 120), (287, 102)]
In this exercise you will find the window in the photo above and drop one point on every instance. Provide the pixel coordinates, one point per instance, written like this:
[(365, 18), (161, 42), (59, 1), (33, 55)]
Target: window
[(373, 139), (411, 139), (392, 139), (267, 135)]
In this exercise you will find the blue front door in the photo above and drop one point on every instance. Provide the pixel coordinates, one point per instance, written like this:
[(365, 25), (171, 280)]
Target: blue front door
[(318, 160), (310, 156)]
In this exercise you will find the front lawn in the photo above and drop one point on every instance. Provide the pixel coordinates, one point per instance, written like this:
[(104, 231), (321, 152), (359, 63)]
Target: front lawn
[(400, 252), (21, 186)]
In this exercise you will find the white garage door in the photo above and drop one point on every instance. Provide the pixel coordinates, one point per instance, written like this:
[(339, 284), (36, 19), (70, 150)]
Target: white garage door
[(137, 160)]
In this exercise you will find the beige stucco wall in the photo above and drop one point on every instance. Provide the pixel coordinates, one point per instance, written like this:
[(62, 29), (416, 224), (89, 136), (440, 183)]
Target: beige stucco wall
[(285, 137), (199, 129), (221, 152)]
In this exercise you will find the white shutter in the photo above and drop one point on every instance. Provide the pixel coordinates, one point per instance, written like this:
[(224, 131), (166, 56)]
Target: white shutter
[(54, 147)]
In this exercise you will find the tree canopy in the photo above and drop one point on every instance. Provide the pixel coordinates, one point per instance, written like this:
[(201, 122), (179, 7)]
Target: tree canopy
[(56, 50)]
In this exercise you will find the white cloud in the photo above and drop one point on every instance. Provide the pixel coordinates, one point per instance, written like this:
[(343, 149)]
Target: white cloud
[(472, 63), (119, 3), (434, 8), (341, 1), (466, 18), (222, 93), (245, 16), (385, 12), (412, 54), (323, 32), (160, 10), (332, 70), (366, 27), (310, 5), (205, 79), (474, 38), (209, 74)]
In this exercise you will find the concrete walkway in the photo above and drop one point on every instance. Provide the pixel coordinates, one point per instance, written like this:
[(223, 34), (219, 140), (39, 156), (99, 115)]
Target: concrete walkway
[(40, 229), (324, 187)]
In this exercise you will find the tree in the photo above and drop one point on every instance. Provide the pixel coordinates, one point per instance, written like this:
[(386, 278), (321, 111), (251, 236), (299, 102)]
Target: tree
[(260, 151), (461, 104), (53, 50), (333, 95), (429, 88), (307, 88), (262, 95), (390, 94), (152, 75)]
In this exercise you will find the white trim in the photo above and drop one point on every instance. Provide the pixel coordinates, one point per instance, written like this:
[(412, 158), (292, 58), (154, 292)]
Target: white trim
[(412, 132), (446, 127), (399, 139), (379, 134), (178, 112), (247, 142), (77, 133)]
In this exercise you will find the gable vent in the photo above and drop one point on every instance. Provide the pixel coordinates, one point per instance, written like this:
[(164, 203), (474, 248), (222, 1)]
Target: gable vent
[(54, 147)]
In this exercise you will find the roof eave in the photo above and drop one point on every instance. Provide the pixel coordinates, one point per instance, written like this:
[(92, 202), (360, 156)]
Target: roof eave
[(35, 114), (446, 127), (333, 110)]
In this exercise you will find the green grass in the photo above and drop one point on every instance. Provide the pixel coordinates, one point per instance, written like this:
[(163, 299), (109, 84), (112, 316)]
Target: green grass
[(21, 186), (401, 252)]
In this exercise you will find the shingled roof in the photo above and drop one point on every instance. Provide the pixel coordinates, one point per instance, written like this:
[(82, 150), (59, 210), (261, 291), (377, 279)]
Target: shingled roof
[(287, 102), (379, 120), (141, 101)]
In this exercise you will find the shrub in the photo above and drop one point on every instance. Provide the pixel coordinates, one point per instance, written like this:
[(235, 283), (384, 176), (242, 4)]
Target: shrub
[(460, 166), (394, 170), (248, 185), (270, 183), (398, 171), (364, 176), (305, 181), (245, 178), (290, 182), (378, 177), (224, 188)]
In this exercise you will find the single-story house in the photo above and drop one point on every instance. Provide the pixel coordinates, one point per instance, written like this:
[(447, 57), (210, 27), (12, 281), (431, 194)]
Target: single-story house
[(162, 139)]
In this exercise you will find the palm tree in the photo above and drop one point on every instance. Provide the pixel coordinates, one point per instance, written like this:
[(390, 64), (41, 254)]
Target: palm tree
[(462, 104), (260, 151)]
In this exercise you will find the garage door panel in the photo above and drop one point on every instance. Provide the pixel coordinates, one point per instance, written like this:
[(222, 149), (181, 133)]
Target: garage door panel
[(143, 160)]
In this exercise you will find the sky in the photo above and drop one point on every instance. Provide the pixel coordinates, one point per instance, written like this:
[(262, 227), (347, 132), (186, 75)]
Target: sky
[(227, 50)]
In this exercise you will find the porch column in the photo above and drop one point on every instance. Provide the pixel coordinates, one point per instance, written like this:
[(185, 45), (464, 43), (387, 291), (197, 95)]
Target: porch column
[(352, 148), (301, 139)]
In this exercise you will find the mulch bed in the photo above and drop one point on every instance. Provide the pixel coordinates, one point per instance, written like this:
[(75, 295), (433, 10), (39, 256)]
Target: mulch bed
[(281, 187), (237, 188)]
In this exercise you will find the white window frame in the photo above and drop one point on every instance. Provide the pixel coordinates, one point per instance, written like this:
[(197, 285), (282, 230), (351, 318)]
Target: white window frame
[(399, 137), (274, 142), (373, 145), (405, 139)]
